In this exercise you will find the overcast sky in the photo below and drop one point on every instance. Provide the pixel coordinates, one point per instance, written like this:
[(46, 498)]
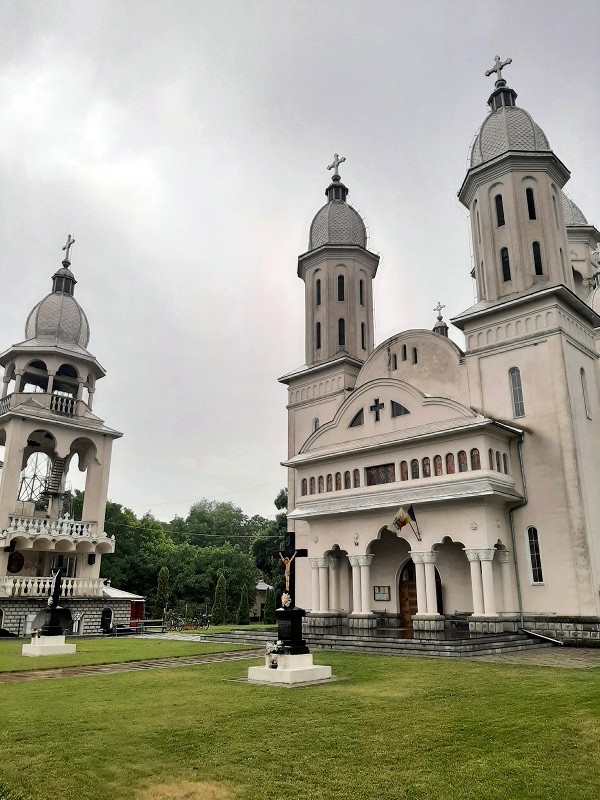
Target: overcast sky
[(185, 145)]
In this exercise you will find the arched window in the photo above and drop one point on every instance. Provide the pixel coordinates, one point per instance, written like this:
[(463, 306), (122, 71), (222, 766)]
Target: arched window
[(341, 332), (530, 204), (586, 401), (347, 481), (363, 336), (303, 487), (361, 292), (318, 336), (491, 458), (341, 286), (414, 355), (537, 258), (478, 229), (312, 485), (505, 261), (516, 392), (356, 478), (499, 210), (534, 555), (338, 481), (562, 265), (505, 463), (318, 292), (321, 484), (403, 471), (450, 468), (475, 460), (437, 465), (357, 419), (403, 352), (330, 483), (414, 469), (555, 210), (498, 467), (394, 361), (462, 461), (426, 467)]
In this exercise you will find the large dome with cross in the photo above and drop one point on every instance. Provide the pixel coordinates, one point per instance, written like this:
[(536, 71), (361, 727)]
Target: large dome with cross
[(337, 222)]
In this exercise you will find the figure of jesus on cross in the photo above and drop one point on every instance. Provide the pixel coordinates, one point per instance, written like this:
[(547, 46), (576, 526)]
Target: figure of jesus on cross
[(287, 563)]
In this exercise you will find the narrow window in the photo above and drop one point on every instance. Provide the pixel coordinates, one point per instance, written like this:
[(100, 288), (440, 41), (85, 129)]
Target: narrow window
[(462, 461), (341, 332), (491, 458), (394, 361), (555, 210), (537, 258), (321, 484), (316, 424), (303, 487), (363, 336), (341, 287), (356, 478), (505, 463), (499, 210), (347, 482), (534, 555), (450, 468), (403, 352), (498, 467), (475, 460), (414, 355), (385, 473), (516, 391), (357, 419), (478, 229), (338, 481), (318, 336), (586, 401), (403, 471), (426, 468), (330, 483), (562, 265), (414, 469), (437, 465), (361, 292), (505, 264), (530, 204), (312, 485), (318, 292)]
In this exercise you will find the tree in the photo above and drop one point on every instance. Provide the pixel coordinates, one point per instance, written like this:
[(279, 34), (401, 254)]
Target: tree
[(219, 610), (162, 593), (243, 612), (269, 614), (266, 546)]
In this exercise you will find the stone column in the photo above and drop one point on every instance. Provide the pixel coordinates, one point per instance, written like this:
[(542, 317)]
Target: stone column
[(476, 584), (430, 592), (80, 387), (51, 376), (18, 378), (323, 585), (334, 583), (421, 586), (489, 598), (314, 575), (507, 581), (5, 381), (365, 582), (356, 595), (91, 391)]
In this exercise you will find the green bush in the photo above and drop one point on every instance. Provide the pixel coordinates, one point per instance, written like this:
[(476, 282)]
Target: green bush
[(162, 593), (243, 612), (219, 611), (269, 614)]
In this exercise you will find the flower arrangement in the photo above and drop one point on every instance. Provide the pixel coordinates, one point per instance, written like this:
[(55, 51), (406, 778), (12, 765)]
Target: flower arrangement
[(273, 650), (286, 599)]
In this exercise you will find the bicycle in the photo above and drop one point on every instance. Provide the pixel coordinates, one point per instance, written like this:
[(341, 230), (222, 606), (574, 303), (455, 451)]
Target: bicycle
[(175, 622), (202, 621)]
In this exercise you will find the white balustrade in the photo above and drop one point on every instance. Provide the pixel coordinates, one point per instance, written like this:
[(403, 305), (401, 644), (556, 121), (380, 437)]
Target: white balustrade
[(59, 403), (5, 404), (62, 405), (22, 586), (65, 526)]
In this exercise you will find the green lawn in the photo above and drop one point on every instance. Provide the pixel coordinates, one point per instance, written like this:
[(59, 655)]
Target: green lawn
[(103, 651), (254, 626), (394, 728)]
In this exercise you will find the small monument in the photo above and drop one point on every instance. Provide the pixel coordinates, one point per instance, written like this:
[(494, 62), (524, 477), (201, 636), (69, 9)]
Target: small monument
[(47, 634), (288, 661)]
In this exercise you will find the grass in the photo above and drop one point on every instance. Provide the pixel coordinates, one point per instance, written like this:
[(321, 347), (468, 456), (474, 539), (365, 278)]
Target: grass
[(253, 626), (395, 728), (104, 651)]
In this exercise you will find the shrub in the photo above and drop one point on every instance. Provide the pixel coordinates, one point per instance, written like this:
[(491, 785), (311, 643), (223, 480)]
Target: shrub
[(162, 593), (243, 612), (269, 614), (219, 611)]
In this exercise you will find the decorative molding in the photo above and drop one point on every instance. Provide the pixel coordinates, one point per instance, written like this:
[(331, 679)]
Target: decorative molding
[(365, 561), (354, 562), (503, 556), (472, 555)]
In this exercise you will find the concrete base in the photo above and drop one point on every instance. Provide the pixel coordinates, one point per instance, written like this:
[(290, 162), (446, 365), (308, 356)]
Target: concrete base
[(428, 622), (48, 646), (291, 669), (362, 622), (485, 624)]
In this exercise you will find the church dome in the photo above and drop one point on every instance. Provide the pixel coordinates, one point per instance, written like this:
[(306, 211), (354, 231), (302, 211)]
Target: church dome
[(337, 223), (507, 128), (573, 214), (60, 318), (593, 300)]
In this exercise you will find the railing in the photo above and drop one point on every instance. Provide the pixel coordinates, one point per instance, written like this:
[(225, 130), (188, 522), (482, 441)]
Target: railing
[(63, 405), (5, 404), (58, 403), (18, 586), (65, 526)]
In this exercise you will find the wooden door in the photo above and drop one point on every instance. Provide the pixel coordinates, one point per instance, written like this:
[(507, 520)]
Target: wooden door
[(407, 595)]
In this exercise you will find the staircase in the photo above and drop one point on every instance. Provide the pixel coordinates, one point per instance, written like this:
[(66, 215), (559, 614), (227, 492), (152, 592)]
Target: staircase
[(465, 647), (53, 481)]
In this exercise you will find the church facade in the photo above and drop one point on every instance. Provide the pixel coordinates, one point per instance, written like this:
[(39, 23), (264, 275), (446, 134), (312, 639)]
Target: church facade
[(435, 487)]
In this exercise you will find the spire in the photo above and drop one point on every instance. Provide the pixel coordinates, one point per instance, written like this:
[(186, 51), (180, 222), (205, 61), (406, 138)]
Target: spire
[(440, 326), (502, 95), (336, 189), (63, 280)]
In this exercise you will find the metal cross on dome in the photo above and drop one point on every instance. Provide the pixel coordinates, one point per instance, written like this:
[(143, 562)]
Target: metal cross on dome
[(67, 247), (498, 67), (336, 162), (439, 308)]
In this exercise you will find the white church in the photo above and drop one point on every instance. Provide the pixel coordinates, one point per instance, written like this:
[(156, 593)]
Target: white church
[(495, 448)]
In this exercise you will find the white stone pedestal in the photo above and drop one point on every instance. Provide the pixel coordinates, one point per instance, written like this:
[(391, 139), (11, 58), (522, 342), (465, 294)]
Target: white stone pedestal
[(48, 646), (291, 669)]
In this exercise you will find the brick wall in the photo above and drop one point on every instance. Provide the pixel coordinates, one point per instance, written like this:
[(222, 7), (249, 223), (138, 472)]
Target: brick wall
[(14, 611)]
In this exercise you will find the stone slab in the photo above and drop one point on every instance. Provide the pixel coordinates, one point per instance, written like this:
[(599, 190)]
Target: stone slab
[(305, 675), (48, 646)]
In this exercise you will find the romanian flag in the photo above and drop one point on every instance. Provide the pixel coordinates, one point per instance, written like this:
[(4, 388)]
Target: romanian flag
[(402, 518)]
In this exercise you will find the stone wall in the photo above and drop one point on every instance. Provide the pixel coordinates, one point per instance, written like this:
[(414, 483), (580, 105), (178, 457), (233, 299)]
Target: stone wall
[(16, 610), (583, 631)]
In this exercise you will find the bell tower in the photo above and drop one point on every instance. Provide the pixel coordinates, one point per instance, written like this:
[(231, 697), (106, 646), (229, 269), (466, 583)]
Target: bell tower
[(46, 421)]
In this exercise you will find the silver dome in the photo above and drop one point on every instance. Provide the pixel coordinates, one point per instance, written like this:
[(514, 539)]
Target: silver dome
[(593, 300), (59, 318), (508, 128), (337, 223), (573, 214)]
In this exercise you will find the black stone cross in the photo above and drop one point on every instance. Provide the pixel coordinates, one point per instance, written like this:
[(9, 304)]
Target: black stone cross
[(376, 408)]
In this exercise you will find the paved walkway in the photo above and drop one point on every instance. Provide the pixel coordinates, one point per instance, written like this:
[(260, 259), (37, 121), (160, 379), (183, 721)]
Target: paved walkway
[(130, 666), (565, 657)]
